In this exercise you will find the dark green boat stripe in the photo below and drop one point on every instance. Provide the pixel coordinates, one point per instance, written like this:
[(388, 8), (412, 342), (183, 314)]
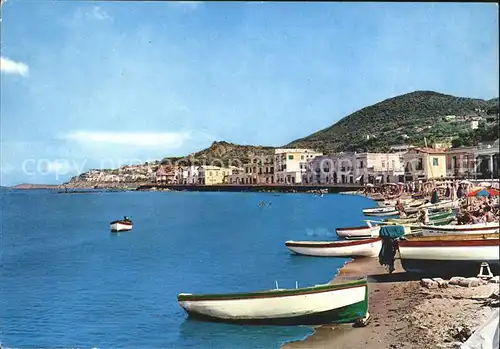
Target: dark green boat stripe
[(272, 293)]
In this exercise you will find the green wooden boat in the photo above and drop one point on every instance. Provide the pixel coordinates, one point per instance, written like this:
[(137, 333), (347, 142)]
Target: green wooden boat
[(321, 304), (438, 217)]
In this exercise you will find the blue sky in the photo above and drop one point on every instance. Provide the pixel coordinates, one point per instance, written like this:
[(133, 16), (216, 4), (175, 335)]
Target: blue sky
[(90, 84)]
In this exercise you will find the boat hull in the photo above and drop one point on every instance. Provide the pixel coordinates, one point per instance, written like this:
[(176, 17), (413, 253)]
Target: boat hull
[(480, 228), (352, 248), (439, 267), (120, 226), (381, 213), (432, 218), (342, 304), (450, 255), (358, 231)]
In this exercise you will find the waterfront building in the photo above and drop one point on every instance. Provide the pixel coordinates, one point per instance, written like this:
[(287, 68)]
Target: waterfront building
[(237, 176), (352, 167), (425, 163), (460, 162), (290, 165), (486, 159), (212, 175), (167, 174), (190, 175), (260, 170)]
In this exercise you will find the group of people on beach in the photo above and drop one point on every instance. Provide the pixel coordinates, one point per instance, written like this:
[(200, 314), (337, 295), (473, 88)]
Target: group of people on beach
[(471, 209)]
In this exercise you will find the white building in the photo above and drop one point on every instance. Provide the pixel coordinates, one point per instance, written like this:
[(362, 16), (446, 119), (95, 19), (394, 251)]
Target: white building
[(352, 168), (291, 164), (190, 175)]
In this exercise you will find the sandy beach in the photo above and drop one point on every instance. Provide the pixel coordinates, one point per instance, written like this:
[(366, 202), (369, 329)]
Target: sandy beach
[(403, 314)]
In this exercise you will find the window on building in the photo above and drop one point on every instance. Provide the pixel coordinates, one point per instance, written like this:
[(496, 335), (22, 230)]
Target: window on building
[(361, 164), (419, 166), (435, 162), (210, 174), (302, 157), (383, 163), (290, 157), (393, 164)]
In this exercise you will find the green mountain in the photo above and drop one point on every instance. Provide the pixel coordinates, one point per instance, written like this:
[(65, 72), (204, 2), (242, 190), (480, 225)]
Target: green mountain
[(222, 153), (404, 119)]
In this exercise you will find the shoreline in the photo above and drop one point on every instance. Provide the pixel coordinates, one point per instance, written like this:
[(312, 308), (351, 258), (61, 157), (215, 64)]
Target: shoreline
[(403, 314)]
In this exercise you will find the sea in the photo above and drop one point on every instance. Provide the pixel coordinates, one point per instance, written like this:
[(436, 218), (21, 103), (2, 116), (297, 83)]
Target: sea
[(67, 282)]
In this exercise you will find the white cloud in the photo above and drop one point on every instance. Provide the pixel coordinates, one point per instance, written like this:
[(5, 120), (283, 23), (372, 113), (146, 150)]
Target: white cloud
[(98, 13), (58, 166), (138, 139), (6, 168), (8, 66), (93, 13), (192, 5)]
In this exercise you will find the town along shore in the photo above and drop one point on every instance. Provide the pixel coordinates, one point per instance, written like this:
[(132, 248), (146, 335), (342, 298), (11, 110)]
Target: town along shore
[(404, 314)]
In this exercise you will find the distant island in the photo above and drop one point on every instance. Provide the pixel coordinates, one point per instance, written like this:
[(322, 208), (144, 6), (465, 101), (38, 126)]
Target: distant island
[(34, 186)]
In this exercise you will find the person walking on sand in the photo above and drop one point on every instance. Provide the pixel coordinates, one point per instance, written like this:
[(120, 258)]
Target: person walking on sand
[(447, 192)]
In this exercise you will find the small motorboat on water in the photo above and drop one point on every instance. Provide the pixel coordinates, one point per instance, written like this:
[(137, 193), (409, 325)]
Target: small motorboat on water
[(321, 304), (343, 248), (124, 224)]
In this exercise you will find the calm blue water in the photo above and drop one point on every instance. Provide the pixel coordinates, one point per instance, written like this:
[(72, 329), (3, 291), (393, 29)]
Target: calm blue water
[(68, 282)]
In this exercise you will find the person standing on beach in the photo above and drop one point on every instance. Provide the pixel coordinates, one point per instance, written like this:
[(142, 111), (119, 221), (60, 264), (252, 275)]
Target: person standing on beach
[(447, 192)]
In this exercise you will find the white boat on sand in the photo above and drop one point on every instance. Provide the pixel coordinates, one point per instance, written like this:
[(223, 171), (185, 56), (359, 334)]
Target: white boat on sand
[(380, 211), (478, 228), (362, 231), (450, 254), (321, 304), (344, 248)]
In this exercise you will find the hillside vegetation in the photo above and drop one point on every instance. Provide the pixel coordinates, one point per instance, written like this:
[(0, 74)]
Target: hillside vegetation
[(403, 119), (224, 153)]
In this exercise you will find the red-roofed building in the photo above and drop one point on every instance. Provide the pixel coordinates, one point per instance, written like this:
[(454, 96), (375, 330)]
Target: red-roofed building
[(167, 174)]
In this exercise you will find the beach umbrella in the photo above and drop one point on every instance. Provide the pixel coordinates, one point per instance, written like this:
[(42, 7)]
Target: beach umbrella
[(484, 192)]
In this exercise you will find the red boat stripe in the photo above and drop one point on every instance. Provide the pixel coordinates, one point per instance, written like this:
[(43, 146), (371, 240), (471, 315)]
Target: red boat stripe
[(449, 243)]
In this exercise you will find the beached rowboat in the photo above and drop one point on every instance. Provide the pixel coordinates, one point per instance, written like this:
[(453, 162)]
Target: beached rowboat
[(321, 304), (478, 228), (350, 248), (432, 217), (121, 225), (450, 254), (380, 211), (366, 230)]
